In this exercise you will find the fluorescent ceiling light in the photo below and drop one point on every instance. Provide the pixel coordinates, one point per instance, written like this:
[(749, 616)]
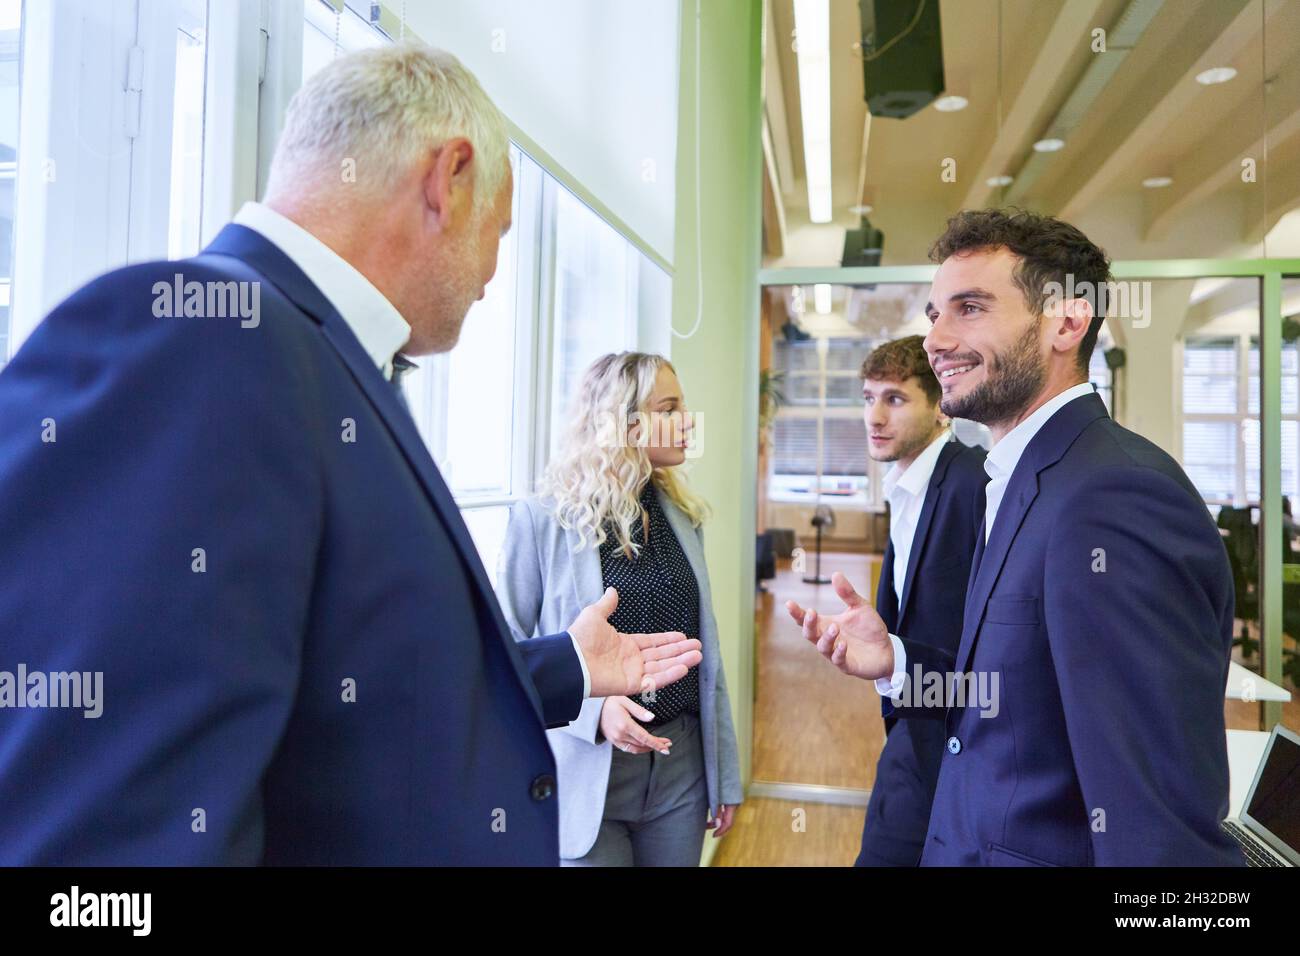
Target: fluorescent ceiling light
[(1049, 145), (812, 24), (1218, 74), (822, 298), (1156, 182), (1003, 180), (950, 104), (861, 209)]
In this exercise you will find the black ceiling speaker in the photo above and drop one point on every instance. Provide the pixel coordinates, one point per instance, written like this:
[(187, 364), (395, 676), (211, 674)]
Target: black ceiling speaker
[(902, 54), (863, 245)]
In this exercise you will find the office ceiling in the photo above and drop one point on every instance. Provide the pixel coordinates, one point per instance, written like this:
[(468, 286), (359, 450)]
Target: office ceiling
[(1027, 68)]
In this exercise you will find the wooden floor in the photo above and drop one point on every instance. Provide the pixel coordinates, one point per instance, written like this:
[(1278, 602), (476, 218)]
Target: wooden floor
[(813, 725)]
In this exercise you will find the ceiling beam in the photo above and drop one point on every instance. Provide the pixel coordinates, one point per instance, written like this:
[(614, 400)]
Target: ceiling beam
[(1216, 159), (1018, 130), (1138, 105), (1279, 184)]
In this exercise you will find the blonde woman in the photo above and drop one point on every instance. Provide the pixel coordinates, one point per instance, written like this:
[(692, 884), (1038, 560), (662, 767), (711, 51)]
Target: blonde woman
[(640, 779)]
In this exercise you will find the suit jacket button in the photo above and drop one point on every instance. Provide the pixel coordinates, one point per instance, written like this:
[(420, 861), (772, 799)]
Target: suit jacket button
[(542, 788), (954, 745)]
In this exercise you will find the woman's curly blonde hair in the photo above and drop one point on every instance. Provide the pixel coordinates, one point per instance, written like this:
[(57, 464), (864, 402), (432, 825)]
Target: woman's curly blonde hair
[(597, 475)]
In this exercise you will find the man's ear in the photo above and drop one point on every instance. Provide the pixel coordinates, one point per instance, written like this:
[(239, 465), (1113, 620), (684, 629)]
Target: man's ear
[(1074, 316), (448, 179)]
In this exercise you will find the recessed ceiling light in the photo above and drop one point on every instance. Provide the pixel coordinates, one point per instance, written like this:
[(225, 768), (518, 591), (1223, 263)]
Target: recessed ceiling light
[(1049, 145), (862, 209), (998, 181), (950, 104), (1157, 182), (1219, 74)]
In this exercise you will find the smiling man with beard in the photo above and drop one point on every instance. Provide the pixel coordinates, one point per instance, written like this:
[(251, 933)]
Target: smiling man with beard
[(1101, 597)]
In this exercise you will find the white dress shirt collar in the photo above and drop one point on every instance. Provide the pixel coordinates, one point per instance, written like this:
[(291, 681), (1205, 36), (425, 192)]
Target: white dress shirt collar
[(915, 478), (375, 321), (1005, 455)]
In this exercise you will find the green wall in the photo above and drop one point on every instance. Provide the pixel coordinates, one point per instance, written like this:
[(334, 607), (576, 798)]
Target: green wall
[(718, 365)]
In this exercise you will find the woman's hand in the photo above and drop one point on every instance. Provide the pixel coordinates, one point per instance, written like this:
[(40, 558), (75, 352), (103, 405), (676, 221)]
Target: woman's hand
[(620, 729), (721, 823)]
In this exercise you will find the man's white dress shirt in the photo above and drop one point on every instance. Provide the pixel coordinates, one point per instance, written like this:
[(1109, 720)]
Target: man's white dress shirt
[(375, 321), (905, 490), (1000, 466)]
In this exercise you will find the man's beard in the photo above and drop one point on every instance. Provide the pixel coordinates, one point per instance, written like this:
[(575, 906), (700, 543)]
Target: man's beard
[(1014, 378), (911, 446)]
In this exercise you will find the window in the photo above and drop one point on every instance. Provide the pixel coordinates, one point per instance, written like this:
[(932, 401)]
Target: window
[(185, 203), (596, 289), (1099, 373), (10, 45), (1221, 418), (120, 128), (328, 32), (820, 442)]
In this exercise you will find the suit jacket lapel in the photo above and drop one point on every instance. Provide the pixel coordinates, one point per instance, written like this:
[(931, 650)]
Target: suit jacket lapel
[(688, 538), (584, 565), (886, 601), (928, 507), (1020, 494), (1047, 447)]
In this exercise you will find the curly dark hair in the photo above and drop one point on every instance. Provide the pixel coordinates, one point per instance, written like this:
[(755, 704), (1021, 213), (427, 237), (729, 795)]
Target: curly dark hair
[(899, 360), (1049, 250)]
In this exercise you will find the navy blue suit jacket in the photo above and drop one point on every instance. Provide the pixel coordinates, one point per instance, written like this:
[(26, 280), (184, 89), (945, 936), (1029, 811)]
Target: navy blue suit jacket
[(934, 595), (1103, 607), (227, 734)]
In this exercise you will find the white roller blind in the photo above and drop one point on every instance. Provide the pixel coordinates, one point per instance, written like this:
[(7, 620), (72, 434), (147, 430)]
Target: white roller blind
[(592, 82)]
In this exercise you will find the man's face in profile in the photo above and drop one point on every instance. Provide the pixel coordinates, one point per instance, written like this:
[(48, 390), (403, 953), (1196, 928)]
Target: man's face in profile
[(985, 344), (474, 247), (900, 418)]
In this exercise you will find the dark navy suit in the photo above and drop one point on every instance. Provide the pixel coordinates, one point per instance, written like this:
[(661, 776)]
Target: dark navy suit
[(227, 733), (1103, 606), (934, 594)]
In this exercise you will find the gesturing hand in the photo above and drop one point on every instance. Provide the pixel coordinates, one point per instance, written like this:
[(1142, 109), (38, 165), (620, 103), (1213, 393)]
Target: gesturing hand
[(855, 640), (622, 664)]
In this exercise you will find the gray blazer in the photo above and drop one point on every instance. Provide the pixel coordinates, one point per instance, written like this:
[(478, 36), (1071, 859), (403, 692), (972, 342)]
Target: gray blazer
[(543, 586)]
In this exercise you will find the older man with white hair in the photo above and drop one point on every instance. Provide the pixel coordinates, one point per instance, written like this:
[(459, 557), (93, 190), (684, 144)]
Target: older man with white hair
[(233, 518)]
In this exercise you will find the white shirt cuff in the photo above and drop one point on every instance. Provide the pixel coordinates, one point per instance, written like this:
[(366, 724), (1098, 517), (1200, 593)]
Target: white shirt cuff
[(586, 675), (892, 687)]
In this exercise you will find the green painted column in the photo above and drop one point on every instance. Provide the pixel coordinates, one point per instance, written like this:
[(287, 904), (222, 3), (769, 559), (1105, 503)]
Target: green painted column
[(718, 362)]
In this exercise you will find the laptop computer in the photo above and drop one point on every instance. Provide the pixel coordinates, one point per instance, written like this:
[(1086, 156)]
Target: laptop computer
[(1268, 829)]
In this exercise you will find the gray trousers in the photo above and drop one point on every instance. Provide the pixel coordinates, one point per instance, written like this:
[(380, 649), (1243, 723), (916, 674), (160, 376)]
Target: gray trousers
[(655, 806)]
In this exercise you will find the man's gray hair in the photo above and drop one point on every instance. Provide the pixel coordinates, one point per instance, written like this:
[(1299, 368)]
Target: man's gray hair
[(382, 108)]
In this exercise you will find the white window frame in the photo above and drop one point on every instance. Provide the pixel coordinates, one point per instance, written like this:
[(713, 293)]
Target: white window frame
[(1238, 417)]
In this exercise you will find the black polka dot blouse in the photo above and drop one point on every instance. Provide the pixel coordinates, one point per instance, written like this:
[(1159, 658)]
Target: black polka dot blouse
[(657, 591)]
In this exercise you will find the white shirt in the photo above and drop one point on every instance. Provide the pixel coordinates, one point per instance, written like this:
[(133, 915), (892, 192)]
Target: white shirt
[(375, 321), (1005, 455), (1000, 466), (905, 490)]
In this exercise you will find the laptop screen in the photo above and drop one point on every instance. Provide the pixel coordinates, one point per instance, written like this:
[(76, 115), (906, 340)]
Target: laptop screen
[(1275, 804)]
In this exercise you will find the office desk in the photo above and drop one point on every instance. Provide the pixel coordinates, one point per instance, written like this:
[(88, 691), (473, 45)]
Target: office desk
[(1239, 678), (1245, 748)]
